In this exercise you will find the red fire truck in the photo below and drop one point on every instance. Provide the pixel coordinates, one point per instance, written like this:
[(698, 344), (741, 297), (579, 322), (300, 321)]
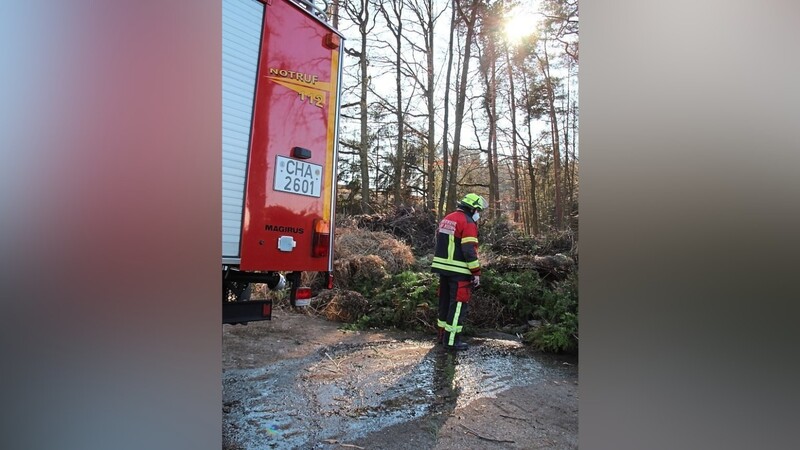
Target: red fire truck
[(281, 72)]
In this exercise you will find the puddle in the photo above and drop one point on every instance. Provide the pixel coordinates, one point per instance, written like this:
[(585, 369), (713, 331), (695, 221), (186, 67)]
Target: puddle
[(344, 392)]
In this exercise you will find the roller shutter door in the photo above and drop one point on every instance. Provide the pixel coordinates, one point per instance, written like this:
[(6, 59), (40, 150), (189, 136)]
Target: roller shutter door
[(242, 22)]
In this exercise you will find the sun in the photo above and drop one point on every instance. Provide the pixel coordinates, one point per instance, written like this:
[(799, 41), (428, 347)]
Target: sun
[(520, 23)]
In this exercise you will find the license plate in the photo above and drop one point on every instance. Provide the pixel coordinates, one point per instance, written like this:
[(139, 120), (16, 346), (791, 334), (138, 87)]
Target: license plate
[(297, 177)]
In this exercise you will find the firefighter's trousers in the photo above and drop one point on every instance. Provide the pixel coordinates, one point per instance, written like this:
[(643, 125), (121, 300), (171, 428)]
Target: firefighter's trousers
[(455, 292)]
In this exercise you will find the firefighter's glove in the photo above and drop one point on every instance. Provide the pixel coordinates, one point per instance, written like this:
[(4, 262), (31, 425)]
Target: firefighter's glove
[(476, 280)]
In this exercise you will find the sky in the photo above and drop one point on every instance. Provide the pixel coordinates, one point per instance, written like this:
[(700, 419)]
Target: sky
[(383, 77)]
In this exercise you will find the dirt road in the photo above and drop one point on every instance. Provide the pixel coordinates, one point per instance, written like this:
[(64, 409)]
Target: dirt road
[(300, 382)]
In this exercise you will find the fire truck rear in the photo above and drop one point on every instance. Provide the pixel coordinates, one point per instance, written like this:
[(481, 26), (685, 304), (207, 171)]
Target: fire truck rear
[(281, 74)]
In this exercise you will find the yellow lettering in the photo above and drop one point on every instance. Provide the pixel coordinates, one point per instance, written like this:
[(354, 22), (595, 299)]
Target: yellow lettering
[(291, 74)]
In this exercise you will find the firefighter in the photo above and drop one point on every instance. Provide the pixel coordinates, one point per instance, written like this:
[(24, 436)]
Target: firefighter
[(456, 261)]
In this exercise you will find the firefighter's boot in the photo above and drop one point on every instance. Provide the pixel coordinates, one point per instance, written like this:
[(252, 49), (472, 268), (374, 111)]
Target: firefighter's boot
[(458, 344)]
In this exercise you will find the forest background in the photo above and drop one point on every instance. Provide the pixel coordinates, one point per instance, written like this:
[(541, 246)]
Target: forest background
[(442, 98)]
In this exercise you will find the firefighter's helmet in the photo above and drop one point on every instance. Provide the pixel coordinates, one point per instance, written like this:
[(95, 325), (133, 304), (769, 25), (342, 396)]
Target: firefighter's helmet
[(474, 201)]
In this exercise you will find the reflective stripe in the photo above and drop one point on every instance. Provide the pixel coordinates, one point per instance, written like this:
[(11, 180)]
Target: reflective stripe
[(474, 264), (441, 323), (450, 266), (451, 247), (465, 240), (449, 262), (454, 328)]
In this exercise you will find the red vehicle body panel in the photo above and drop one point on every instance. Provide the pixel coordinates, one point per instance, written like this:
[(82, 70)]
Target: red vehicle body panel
[(296, 102)]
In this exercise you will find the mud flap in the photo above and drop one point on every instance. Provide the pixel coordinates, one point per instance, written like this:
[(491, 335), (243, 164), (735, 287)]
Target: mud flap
[(243, 312)]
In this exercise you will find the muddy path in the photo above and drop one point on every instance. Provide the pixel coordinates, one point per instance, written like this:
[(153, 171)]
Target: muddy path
[(298, 382)]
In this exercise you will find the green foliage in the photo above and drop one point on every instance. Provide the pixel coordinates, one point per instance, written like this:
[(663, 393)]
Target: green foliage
[(364, 322), (408, 300), (555, 337), (559, 314), (415, 287), (524, 296), (368, 286), (560, 300), (517, 292), (405, 300)]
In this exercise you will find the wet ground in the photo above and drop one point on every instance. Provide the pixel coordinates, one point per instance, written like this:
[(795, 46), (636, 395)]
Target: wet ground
[(299, 382)]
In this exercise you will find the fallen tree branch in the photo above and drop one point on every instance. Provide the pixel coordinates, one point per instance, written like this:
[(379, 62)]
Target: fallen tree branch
[(484, 437), (334, 441), (512, 417), (383, 355), (332, 360)]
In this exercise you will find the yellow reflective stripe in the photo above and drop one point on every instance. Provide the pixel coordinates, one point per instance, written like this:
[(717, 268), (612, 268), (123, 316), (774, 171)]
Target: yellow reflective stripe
[(441, 323), (474, 264), (449, 262), (454, 328), (456, 315), (451, 268), (465, 240), (451, 247)]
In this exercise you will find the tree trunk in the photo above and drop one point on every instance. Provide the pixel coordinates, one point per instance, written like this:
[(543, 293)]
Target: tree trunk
[(431, 187), (515, 162), (488, 68), (534, 211), (551, 110), (362, 17), (532, 177), (574, 160), (396, 28), (567, 194), (460, 101), (445, 139), (334, 13), (489, 105)]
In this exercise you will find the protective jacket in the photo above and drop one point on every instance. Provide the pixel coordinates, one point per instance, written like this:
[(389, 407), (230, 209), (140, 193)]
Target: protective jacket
[(457, 246)]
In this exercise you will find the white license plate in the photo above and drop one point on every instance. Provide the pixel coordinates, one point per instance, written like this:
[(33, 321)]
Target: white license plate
[(297, 177)]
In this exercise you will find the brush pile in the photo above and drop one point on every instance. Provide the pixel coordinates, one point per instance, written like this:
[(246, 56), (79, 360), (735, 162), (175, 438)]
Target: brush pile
[(367, 257), (340, 305), (414, 227)]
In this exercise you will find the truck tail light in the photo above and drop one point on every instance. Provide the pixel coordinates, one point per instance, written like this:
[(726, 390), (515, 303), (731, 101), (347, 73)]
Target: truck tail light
[(322, 238), (302, 296)]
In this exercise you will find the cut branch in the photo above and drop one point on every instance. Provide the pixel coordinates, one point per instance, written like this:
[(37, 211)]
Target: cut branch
[(484, 437)]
